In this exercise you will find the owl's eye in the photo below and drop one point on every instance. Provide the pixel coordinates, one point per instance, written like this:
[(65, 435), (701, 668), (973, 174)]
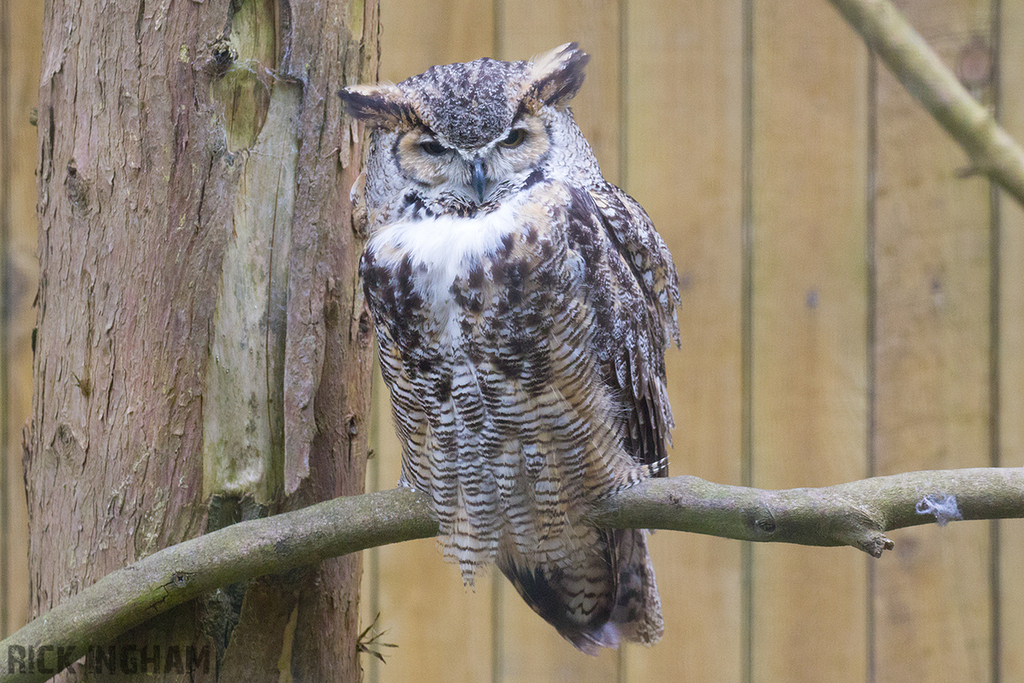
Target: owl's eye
[(514, 139), (433, 147)]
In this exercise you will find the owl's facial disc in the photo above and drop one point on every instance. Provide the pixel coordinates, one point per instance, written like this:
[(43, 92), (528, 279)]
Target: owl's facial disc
[(475, 175)]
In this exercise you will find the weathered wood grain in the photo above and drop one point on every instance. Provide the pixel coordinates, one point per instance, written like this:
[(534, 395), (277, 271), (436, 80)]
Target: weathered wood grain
[(933, 361), (1009, 637), (809, 373)]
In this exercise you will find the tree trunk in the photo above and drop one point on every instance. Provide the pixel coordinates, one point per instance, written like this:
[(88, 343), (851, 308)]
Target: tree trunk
[(202, 353)]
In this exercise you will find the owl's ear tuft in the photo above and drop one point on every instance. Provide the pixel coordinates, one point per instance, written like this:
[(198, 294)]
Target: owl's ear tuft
[(555, 77), (381, 105)]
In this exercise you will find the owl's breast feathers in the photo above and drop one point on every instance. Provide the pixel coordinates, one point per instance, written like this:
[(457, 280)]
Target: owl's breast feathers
[(524, 352)]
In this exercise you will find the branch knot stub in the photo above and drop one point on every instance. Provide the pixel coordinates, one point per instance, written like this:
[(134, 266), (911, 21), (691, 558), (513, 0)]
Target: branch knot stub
[(875, 544), (179, 579), (761, 521)]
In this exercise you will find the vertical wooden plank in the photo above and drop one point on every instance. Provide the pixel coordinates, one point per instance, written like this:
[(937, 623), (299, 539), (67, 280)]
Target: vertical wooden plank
[(809, 339), (1011, 350), (442, 630), (684, 83), (417, 35), (530, 650), (18, 148), (932, 361)]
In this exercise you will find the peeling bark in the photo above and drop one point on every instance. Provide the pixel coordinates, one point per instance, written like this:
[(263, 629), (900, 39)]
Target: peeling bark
[(198, 357)]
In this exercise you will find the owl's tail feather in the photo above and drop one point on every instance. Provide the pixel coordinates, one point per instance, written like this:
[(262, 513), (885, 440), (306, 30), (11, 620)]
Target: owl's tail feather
[(603, 595)]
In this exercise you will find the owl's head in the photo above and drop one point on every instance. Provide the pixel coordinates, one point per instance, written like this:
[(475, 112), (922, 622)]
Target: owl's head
[(461, 137)]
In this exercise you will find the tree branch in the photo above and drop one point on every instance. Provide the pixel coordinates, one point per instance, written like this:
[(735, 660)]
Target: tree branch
[(856, 514), (923, 74)]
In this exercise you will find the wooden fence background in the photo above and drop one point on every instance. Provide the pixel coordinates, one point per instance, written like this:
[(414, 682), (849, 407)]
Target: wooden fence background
[(853, 305)]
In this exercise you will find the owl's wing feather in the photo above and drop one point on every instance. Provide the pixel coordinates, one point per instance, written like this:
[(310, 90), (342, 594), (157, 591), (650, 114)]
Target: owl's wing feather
[(634, 291)]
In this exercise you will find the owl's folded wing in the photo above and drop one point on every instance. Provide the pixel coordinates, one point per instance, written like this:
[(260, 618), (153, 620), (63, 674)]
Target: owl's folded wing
[(633, 289)]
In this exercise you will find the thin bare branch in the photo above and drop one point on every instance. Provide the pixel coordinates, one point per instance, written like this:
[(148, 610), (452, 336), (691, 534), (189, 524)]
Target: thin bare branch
[(856, 514), (923, 74)]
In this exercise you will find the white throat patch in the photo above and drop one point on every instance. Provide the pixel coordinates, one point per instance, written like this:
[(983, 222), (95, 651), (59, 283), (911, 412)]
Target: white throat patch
[(441, 249)]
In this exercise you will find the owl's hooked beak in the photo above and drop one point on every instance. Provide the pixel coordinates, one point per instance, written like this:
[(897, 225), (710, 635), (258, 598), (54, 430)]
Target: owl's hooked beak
[(479, 178)]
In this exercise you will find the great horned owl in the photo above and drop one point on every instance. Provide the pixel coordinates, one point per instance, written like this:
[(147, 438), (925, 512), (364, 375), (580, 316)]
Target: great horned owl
[(522, 305)]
